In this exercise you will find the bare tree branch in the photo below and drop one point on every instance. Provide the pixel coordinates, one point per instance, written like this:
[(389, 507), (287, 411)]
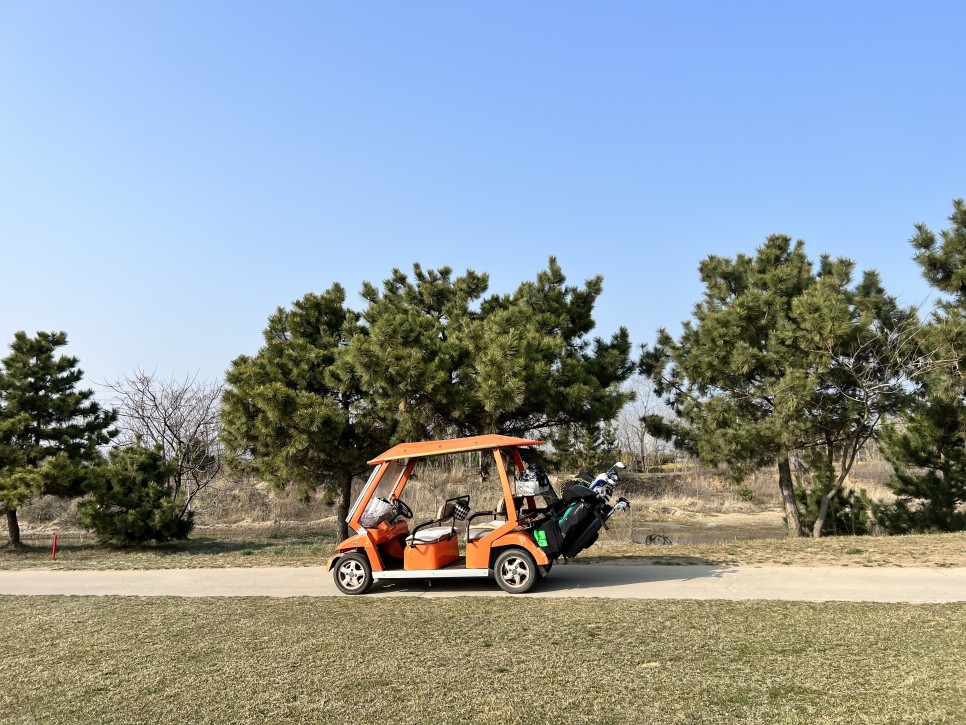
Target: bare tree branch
[(179, 417)]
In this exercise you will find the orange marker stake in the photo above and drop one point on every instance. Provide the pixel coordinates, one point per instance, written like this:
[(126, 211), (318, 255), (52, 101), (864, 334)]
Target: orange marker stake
[(53, 551)]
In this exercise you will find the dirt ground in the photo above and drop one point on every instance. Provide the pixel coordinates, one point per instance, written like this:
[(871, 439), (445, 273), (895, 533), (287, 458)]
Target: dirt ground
[(702, 528)]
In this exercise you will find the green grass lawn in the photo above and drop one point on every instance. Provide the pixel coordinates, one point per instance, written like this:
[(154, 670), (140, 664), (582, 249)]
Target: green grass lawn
[(306, 549), (477, 660)]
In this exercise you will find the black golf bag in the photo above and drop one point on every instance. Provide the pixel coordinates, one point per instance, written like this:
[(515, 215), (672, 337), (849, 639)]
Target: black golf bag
[(573, 522), (583, 516)]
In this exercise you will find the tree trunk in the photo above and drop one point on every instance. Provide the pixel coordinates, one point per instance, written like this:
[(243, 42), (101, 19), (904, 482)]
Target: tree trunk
[(823, 513), (344, 501), (788, 498), (13, 527)]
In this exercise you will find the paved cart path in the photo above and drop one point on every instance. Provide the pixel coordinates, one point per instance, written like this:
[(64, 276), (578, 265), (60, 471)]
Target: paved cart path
[(610, 581)]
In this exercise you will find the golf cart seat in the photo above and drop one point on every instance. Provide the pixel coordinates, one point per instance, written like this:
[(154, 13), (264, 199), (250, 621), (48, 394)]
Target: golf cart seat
[(431, 535), (478, 531), (433, 544), (429, 532)]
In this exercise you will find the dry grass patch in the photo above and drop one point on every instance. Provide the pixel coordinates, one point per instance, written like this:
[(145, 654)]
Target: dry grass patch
[(690, 509), (480, 660), (302, 548), (273, 549), (929, 550)]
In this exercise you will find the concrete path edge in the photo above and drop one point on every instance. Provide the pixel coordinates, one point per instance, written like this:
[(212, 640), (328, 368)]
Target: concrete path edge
[(815, 584)]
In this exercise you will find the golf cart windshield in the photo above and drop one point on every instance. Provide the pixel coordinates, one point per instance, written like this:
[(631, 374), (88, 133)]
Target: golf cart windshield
[(377, 511)]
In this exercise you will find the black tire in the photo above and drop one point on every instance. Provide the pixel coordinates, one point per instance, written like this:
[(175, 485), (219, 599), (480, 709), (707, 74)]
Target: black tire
[(516, 571), (352, 573)]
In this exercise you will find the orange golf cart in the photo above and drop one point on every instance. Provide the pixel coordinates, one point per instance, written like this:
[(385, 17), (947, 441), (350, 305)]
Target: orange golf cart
[(516, 542)]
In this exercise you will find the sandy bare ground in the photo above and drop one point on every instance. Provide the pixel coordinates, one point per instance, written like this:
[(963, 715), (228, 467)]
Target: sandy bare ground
[(606, 581)]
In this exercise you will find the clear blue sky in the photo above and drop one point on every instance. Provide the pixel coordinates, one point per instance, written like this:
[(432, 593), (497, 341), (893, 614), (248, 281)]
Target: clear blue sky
[(171, 172)]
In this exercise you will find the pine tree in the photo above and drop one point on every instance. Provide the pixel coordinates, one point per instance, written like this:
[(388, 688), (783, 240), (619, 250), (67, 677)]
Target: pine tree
[(427, 357), (929, 462), (49, 430), (436, 366), (538, 368), (782, 359), (415, 360), (927, 452), (734, 370), (132, 500), (864, 354), (295, 413), (580, 448)]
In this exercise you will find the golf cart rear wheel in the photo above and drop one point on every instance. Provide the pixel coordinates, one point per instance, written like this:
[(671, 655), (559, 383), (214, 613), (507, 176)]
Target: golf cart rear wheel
[(516, 571), (352, 574)]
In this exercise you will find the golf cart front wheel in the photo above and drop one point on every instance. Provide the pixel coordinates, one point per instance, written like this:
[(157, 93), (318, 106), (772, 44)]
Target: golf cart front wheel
[(516, 571), (352, 574)]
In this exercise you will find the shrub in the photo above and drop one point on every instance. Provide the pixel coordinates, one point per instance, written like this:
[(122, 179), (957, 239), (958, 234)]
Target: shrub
[(938, 510), (849, 514), (132, 502)]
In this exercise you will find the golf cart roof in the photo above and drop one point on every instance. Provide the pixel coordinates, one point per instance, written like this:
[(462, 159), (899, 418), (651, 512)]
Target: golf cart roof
[(421, 449)]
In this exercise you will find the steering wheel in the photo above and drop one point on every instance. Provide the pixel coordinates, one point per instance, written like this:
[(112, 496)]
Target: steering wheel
[(403, 509), (399, 507)]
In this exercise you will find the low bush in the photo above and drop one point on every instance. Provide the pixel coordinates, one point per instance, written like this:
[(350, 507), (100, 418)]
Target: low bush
[(850, 512), (131, 501)]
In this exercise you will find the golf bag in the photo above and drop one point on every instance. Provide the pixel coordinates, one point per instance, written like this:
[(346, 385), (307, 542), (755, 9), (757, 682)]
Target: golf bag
[(581, 519), (573, 522)]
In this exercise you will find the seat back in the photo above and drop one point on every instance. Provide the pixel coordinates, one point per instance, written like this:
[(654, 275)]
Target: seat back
[(446, 511), (451, 510), (497, 518)]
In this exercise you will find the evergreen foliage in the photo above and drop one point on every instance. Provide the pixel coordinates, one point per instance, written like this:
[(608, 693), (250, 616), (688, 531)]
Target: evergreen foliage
[(781, 358), (437, 366), (581, 448), (132, 501), (850, 512), (929, 462), (427, 357), (416, 360), (927, 451), (295, 413), (49, 430)]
